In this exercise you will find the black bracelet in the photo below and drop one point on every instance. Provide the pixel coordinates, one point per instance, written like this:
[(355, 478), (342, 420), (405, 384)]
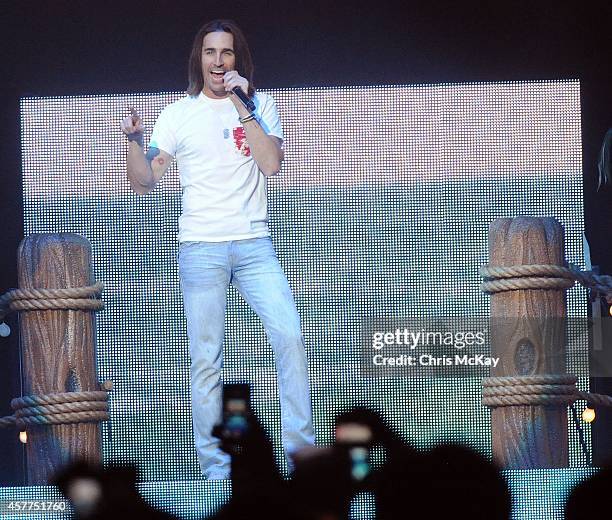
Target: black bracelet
[(245, 119), (137, 137)]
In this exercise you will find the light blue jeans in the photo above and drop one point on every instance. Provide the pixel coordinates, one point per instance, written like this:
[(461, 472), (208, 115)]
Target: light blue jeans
[(206, 269)]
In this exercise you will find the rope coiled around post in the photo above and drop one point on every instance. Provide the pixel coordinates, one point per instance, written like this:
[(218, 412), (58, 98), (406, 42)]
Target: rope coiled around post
[(537, 390), (72, 298), (543, 276), (544, 389), (58, 408)]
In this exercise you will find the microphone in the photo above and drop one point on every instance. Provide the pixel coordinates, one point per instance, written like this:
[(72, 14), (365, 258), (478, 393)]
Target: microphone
[(246, 101)]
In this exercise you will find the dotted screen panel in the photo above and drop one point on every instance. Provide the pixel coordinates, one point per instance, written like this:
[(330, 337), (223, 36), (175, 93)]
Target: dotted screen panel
[(381, 210)]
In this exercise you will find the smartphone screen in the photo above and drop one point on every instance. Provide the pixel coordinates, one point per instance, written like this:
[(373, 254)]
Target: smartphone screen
[(357, 439), (236, 409)]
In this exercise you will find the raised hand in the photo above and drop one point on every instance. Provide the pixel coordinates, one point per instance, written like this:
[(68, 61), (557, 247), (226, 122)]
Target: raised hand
[(132, 126)]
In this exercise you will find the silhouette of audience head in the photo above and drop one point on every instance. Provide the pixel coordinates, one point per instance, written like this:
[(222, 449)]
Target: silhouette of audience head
[(590, 495)]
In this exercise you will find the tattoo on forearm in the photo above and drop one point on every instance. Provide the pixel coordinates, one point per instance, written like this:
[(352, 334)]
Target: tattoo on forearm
[(152, 153)]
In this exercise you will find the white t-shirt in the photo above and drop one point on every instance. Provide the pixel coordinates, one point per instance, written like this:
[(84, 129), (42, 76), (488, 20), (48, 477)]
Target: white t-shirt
[(224, 193)]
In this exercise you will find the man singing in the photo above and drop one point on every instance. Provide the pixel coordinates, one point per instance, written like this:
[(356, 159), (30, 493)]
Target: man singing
[(224, 154)]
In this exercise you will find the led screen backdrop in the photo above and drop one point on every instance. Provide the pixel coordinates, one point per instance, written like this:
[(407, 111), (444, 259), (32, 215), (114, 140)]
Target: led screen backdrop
[(381, 210)]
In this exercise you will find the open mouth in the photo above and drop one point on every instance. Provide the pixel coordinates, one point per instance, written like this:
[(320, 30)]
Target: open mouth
[(217, 74)]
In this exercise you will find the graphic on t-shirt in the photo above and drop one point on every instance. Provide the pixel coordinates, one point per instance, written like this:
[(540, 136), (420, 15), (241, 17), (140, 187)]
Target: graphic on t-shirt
[(240, 140)]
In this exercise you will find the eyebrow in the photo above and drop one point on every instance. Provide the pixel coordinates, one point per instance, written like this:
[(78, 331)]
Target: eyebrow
[(222, 50)]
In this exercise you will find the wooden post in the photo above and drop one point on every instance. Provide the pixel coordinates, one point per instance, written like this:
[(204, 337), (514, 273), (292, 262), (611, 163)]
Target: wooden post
[(528, 335), (58, 350)]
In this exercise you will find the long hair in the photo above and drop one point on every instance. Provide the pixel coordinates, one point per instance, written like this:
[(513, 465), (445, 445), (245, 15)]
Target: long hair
[(244, 63)]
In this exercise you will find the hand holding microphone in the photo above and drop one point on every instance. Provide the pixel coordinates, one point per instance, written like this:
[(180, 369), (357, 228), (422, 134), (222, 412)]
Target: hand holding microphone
[(238, 86)]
